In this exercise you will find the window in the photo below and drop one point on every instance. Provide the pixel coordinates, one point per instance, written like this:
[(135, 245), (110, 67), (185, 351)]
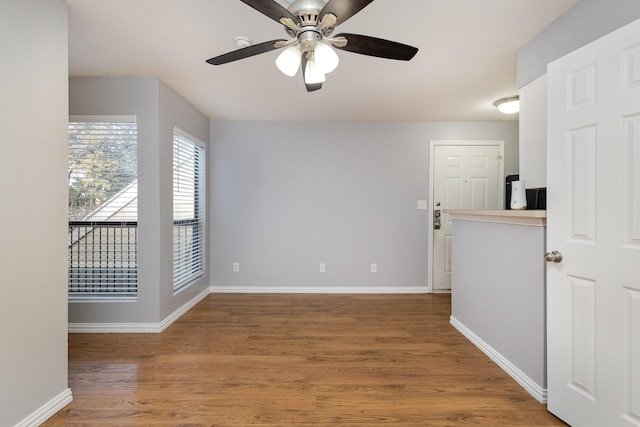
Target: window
[(188, 209), (103, 214)]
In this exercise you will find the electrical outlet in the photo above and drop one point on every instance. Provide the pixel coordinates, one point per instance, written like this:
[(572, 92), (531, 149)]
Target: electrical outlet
[(236, 267), (422, 205), (374, 268), (323, 267)]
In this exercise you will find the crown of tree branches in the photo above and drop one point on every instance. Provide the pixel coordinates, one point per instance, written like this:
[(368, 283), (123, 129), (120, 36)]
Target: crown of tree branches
[(102, 162)]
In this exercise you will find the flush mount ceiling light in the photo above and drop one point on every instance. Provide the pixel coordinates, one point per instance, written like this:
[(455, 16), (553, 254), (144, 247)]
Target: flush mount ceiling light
[(242, 41), (309, 24), (510, 105)]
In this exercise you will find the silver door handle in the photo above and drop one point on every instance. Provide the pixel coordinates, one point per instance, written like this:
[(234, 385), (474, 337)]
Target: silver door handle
[(555, 257), (436, 220)]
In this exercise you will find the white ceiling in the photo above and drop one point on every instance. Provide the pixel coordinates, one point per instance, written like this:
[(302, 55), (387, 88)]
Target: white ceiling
[(467, 57)]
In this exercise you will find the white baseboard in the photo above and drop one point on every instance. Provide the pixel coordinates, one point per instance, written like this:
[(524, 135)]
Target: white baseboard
[(114, 328), (182, 310), (48, 410), (139, 328), (316, 290), (534, 389)]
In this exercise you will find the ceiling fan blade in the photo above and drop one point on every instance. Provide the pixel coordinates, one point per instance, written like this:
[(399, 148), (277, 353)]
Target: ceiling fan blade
[(343, 9), (372, 46), (271, 9), (245, 52), (310, 87)]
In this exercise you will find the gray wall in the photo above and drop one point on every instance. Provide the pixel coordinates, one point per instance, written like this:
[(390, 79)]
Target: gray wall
[(175, 111), (501, 299), (33, 193), (288, 196), (587, 21), (158, 109)]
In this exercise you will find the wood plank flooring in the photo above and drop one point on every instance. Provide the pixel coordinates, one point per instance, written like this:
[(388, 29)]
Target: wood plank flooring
[(296, 360)]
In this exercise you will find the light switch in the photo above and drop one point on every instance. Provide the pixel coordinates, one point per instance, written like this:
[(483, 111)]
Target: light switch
[(422, 205)]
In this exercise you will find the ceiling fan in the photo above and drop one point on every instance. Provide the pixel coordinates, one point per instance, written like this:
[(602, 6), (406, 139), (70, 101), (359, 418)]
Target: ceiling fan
[(310, 24)]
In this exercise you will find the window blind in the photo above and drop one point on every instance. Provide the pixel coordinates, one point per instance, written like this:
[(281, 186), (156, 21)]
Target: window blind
[(188, 209), (103, 214)]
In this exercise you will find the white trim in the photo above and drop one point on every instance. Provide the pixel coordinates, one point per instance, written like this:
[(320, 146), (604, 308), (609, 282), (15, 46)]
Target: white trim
[(114, 328), (103, 119), (182, 310), (187, 135), (535, 390), (48, 410), (501, 196), (141, 328), (317, 290), (98, 300), (200, 196)]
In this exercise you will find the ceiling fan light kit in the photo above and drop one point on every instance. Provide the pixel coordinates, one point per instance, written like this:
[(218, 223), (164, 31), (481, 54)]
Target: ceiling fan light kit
[(313, 74), (289, 60), (326, 58), (509, 105), (310, 24)]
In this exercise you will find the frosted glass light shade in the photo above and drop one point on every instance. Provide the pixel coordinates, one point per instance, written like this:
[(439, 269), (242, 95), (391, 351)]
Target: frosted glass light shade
[(508, 105), (313, 74), (326, 58), (289, 61)]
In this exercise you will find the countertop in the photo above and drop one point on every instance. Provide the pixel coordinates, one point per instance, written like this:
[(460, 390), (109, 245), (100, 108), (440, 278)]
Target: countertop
[(523, 217)]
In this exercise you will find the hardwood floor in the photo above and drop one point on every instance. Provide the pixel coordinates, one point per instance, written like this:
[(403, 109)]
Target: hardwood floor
[(298, 360)]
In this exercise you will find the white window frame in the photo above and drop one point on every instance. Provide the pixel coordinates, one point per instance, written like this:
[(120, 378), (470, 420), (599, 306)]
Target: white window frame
[(84, 232), (183, 276)]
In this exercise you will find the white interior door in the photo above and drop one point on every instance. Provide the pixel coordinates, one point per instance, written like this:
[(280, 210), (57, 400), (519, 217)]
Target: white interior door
[(465, 176), (593, 220)]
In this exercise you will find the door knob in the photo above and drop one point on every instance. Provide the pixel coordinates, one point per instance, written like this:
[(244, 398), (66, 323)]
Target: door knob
[(554, 256)]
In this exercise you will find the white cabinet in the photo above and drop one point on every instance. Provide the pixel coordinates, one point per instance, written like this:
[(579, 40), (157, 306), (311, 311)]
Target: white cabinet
[(533, 133)]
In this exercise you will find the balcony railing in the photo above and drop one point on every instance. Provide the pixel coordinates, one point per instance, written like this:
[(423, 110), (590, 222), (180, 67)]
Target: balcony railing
[(103, 260), (188, 251)]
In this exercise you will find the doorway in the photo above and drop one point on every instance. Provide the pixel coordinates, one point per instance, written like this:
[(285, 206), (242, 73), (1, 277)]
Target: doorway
[(463, 175)]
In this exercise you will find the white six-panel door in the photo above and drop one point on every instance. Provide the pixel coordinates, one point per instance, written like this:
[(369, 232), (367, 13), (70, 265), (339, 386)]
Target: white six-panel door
[(593, 220), (466, 175)]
